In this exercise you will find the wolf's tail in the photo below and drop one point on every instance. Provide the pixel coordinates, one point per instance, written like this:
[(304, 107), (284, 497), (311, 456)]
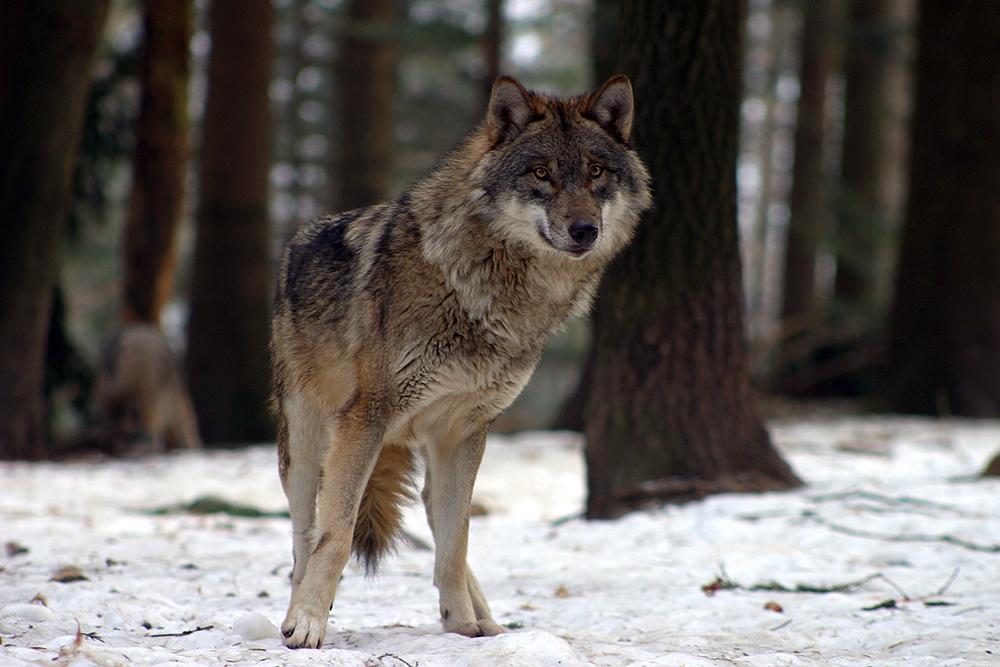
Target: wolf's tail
[(380, 514)]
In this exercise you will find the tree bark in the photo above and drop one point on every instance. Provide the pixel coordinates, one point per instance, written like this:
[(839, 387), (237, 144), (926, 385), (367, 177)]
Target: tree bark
[(366, 76), (945, 329), (227, 361), (671, 405), (47, 49), (158, 164), (807, 201), (492, 48), (861, 206)]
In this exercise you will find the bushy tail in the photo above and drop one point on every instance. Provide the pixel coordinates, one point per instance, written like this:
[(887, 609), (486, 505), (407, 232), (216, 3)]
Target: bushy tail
[(380, 515)]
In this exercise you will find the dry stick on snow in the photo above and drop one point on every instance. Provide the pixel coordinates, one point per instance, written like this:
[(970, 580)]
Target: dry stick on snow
[(888, 500), (722, 582), (185, 633), (394, 657), (885, 537)]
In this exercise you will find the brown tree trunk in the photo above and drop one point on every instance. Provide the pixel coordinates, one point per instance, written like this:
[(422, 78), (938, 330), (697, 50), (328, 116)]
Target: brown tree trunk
[(366, 75), (158, 165), (671, 412), (807, 201), (227, 361), (492, 48), (47, 48), (945, 340), (861, 210)]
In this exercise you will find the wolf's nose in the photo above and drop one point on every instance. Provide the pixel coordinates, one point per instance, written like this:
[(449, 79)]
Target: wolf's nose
[(583, 232)]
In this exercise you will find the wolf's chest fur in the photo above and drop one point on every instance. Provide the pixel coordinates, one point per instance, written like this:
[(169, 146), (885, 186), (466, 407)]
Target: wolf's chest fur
[(467, 321)]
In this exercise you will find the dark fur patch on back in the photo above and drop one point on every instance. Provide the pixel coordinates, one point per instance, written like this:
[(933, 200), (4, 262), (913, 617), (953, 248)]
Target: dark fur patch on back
[(323, 262)]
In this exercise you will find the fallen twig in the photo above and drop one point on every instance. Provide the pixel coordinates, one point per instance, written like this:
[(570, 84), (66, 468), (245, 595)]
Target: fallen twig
[(394, 657), (885, 537), (185, 633), (888, 500), (722, 582)]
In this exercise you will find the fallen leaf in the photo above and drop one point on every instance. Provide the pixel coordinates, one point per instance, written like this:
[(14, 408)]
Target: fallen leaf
[(884, 604), (39, 599), (774, 606), (562, 592), (527, 606), (478, 509), (15, 549), (67, 574)]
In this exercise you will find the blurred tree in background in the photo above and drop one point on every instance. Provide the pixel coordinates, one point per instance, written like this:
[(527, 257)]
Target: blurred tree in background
[(47, 48), (160, 160), (227, 361), (670, 412), (945, 341), (366, 71)]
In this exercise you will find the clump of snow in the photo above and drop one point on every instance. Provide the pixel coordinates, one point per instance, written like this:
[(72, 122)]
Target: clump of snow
[(893, 525), (255, 626)]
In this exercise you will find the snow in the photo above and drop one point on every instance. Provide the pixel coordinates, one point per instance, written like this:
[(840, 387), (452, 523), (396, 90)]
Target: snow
[(182, 589)]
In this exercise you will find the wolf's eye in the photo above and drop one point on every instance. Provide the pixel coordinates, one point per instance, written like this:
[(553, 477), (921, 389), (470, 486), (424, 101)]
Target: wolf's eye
[(541, 173), (596, 170)]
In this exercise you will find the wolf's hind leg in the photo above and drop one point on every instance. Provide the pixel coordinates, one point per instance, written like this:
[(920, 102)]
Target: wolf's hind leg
[(451, 474), (304, 434), (347, 466)]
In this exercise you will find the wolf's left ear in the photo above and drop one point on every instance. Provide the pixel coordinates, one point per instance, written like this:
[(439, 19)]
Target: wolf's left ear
[(509, 110), (612, 107)]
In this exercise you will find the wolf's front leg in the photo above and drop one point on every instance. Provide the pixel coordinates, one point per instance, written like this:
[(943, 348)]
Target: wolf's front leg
[(451, 473), (346, 468)]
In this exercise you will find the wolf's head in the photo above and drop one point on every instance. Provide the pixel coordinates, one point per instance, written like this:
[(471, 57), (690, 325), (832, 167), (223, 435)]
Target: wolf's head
[(559, 173)]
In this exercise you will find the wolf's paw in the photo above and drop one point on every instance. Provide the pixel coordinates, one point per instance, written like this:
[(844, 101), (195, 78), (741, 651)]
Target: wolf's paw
[(481, 628), (304, 628)]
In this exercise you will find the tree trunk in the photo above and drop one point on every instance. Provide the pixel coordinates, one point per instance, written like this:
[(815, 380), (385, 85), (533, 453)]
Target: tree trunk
[(158, 165), (807, 201), (47, 48), (861, 209), (492, 48), (671, 412), (227, 361), (366, 76), (945, 340)]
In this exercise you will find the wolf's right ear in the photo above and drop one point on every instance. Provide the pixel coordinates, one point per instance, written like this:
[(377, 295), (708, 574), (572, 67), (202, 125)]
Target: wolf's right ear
[(509, 110)]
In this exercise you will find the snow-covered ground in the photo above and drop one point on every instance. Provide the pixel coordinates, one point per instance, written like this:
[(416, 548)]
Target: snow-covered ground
[(168, 589)]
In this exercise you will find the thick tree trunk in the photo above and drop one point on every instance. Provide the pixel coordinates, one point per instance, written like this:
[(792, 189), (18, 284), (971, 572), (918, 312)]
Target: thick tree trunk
[(861, 206), (227, 360), (807, 199), (671, 412), (158, 165), (47, 48), (366, 75), (945, 340)]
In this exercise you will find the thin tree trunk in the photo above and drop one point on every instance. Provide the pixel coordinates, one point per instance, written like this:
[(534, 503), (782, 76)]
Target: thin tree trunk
[(47, 49), (806, 201), (158, 165), (861, 210), (227, 360), (671, 412), (492, 48), (945, 340), (366, 76)]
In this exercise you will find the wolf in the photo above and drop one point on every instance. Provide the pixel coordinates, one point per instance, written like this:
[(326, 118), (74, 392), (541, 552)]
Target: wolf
[(140, 394), (403, 329)]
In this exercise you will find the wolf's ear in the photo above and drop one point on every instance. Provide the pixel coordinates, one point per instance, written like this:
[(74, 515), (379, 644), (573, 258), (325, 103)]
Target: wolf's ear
[(612, 107), (509, 110)]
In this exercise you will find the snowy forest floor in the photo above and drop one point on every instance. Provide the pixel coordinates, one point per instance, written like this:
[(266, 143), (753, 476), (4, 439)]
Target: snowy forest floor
[(893, 541)]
